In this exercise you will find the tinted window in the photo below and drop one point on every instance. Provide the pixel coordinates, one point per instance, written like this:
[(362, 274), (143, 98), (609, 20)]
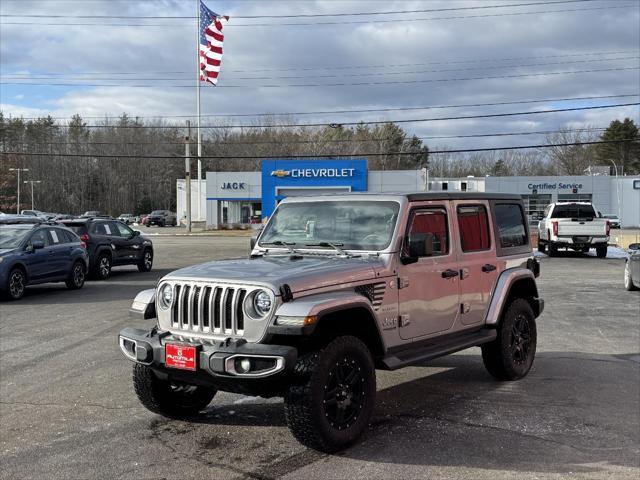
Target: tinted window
[(434, 222), (101, 228), (510, 222), (573, 210), (78, 228), (474, 228), (41, 236)]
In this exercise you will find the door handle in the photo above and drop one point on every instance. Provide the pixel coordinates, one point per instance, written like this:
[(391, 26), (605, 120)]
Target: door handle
[(487, 267), (450, 273)]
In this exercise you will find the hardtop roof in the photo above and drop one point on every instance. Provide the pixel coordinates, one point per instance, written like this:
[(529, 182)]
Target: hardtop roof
[(412, 197)]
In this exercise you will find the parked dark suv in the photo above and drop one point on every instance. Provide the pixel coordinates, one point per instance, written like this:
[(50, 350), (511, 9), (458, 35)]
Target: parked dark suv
[(112, 243), (162, 218), (32, 252)]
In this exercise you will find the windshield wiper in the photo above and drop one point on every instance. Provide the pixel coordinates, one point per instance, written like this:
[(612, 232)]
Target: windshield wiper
[(280, 243), (335, 246)]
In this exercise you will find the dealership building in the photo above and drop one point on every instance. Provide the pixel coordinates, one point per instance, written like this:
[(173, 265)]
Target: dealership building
[(236, 198)]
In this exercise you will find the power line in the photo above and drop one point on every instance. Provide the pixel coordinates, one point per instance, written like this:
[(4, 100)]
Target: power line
[(25, 76), (342, 140), (313, 15), (340, 84), (377, 122), (366, 110), (377, 21), (267, 157), (352, 67)]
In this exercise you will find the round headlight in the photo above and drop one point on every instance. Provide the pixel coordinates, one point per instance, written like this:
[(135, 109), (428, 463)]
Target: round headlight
[(262, 303), (166, 296)]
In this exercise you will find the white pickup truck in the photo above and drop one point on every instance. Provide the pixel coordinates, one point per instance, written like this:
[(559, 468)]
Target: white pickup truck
[(573, 225)]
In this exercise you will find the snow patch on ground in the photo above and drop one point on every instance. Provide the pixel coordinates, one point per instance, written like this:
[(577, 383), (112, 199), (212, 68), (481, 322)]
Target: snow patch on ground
[(612, 252), (246, 400)]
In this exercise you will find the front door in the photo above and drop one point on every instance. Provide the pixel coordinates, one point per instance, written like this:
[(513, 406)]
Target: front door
[(478, 268), (428, 289), (38, 262)]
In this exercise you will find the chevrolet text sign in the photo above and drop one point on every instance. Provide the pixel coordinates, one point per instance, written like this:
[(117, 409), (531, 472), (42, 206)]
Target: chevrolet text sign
[(314, 173)]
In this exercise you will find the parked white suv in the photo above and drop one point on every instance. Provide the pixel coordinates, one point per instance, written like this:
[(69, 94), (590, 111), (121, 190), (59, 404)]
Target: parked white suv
[(573, 225)]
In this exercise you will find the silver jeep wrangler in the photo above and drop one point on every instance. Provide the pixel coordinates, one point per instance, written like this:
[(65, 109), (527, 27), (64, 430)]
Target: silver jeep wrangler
[(335, 288)]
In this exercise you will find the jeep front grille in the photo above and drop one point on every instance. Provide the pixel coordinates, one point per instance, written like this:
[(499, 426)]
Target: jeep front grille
[(214, 309)]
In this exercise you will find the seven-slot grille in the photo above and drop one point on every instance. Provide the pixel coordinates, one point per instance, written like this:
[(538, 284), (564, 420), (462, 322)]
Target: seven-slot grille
[(213, 309)]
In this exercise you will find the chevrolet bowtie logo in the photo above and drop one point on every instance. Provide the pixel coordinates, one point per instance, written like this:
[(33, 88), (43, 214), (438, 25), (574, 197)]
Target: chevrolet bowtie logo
[(280, 173)]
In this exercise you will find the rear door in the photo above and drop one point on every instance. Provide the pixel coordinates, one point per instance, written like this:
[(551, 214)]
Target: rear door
[(60, 252), (428, 289), (478, 269)]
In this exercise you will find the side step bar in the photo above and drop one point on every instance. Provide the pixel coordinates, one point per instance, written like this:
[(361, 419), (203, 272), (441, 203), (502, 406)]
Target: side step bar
[(438, 347)]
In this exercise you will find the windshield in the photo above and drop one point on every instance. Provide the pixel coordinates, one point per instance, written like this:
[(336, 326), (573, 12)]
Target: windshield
[(612, 217), (12, 236), (573, 210), (351, 225)]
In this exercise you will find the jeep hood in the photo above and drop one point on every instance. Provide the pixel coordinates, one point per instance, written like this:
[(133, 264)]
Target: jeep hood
[(309, 272)]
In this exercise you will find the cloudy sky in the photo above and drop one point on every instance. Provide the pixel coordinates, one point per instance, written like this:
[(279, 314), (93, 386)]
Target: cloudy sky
[(441, 53)]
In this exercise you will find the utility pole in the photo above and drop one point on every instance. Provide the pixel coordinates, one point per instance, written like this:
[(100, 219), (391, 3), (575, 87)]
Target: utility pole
[(32, 182), (187, 175), (18, 200)]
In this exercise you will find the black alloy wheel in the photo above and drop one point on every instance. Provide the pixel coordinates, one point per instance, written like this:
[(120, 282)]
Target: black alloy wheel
[(520, 339), (16, 284), (332, 395), (510, 356), (76, 277), (344, 393)]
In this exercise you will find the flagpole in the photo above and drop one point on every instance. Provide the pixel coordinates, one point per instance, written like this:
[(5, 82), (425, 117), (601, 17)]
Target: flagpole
[(198, 110)]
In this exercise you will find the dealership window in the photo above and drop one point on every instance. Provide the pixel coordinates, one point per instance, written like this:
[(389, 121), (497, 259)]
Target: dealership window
[(510, 222), (433, 221), (535, 206), (463, 186), (474, 228), (575, 197), (445, 185)]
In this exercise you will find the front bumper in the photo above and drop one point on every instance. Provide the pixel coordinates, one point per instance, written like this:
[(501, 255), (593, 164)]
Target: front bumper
[(215, 364)]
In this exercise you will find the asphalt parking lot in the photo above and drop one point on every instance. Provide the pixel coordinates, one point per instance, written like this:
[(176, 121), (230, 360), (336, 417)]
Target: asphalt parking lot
[(67, 408)]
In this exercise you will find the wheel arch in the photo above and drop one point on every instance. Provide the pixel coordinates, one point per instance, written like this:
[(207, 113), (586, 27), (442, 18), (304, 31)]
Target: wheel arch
[(20, 266), (513, 283)]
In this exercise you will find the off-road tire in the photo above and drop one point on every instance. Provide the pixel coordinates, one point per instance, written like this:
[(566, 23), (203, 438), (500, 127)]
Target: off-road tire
[(542, 247), (77, 276), (306, 411), (501, 357), (585, 249), (553, 249), (628, 282), (16, 283), (102, 269), (601, 252), (172, 400), (146, 264)]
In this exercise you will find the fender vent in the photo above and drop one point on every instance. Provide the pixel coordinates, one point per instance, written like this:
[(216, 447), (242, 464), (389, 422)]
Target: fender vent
[(374, 292)]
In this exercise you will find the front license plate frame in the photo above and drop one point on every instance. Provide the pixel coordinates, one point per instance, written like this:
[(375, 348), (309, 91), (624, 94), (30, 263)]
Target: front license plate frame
[(181, 357)]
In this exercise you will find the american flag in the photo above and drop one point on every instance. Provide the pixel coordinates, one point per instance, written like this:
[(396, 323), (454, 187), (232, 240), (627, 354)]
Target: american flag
[(211, 39)]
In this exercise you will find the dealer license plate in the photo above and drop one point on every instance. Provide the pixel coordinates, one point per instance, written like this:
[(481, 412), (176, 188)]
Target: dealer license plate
[(180, 356)]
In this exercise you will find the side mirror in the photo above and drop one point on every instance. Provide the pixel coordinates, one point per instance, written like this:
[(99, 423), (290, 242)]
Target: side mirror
[(420, 245), (136, 233), (35, 245), (634, 246)]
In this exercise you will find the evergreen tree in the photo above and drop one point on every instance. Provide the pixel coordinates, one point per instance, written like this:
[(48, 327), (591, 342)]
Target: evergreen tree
[(625, 154)]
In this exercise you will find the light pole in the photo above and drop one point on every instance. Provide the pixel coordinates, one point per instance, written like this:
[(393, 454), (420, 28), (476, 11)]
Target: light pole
[(32, 182), (615, 168), (18, 170)]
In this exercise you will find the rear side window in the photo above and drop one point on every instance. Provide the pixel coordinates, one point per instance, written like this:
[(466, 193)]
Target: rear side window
[(101, 228), (77, 229), (573, 210), (474, 228), (55, 236), (69, 237), (433, 221), (510, 222)]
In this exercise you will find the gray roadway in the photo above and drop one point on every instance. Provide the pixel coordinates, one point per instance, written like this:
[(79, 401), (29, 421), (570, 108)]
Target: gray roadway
[(67, 409)]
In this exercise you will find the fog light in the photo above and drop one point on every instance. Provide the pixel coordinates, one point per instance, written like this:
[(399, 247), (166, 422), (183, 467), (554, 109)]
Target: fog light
[(242, 365)]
